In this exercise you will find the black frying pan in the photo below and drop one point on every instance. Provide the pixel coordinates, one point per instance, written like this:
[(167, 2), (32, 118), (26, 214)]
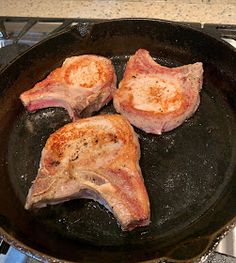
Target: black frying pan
[(190, 172)]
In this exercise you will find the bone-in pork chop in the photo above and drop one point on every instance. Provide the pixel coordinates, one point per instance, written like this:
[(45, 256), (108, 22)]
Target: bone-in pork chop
[(82, 85), (155, 98), (96, 158)]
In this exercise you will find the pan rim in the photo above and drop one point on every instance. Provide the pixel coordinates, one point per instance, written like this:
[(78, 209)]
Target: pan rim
[(104, 21), (214, 241)]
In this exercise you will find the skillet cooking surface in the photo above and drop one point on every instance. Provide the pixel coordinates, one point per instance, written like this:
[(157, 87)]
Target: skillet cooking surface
[(189, 172), (181, 171)]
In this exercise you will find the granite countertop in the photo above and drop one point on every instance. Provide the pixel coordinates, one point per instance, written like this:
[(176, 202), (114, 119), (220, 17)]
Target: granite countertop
[(204, 11)]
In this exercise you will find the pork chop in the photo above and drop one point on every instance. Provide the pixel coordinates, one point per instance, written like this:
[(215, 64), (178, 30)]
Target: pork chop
[(155, 98), (82, 85), (96, 158)]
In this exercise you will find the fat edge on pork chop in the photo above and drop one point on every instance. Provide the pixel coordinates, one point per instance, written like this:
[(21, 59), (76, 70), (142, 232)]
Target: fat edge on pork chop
[(155, 98), (96, 158), (82, 85)]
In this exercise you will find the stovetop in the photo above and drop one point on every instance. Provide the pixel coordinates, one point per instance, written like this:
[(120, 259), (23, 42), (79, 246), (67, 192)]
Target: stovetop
[(17, 34)]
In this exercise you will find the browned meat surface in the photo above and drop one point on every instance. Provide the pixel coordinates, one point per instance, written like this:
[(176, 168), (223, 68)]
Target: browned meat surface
[(95, 158), (82, 85), (156, 98)]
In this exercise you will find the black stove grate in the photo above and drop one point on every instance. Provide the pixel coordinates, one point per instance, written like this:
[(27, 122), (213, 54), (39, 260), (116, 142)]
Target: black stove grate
[(17, 34)]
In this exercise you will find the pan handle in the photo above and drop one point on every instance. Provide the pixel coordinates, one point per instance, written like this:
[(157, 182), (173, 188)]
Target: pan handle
[(4, 246), (84, 28)]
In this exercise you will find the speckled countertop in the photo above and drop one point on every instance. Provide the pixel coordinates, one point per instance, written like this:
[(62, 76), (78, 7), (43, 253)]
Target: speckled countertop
[(205, 11)]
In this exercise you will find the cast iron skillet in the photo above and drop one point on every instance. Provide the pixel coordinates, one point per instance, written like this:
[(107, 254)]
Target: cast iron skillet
[(190, 172)]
